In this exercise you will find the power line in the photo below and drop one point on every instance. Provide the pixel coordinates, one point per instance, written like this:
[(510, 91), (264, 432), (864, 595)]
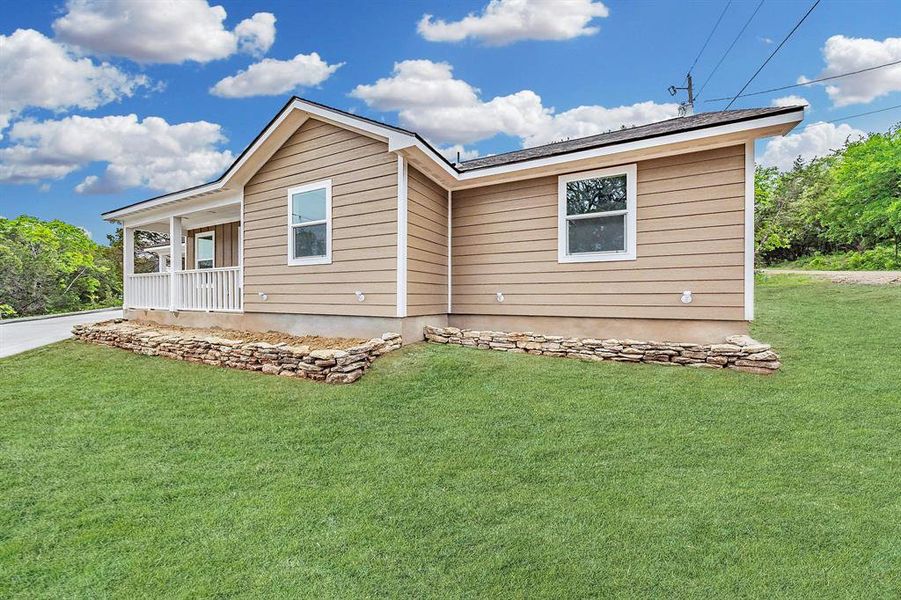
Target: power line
[(707, 41), (688, 107), (782, 43), (872, 112), (729, 49), (812, 81)]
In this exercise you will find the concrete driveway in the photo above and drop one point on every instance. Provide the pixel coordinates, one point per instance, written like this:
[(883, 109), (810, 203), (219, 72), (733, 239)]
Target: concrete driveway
[(19, 336)]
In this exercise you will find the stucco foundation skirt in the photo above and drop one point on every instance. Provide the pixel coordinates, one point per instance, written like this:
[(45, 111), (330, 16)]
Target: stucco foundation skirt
[(322, 364), (738, 352)]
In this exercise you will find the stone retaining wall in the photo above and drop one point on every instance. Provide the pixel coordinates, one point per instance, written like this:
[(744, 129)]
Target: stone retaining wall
[(739, 352), (330, 366)]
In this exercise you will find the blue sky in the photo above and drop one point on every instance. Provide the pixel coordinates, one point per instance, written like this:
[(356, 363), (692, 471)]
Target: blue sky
[(511, 74)]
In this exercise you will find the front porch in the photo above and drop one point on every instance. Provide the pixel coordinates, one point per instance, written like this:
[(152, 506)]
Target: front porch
[(204, 271), (215, 289)]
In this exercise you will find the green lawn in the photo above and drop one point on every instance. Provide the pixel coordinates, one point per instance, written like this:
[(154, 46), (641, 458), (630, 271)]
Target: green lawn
[(452, 472)]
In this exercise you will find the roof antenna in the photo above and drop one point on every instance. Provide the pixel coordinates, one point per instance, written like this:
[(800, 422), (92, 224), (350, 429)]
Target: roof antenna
[(686, 109), (458, 157)]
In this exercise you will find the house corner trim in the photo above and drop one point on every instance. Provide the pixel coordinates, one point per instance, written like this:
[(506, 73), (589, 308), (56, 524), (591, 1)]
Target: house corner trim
[(749, 231), (401, 236), (450, 214)]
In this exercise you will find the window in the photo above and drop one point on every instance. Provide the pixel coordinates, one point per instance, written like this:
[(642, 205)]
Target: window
[(596, 215), (205, 250), (310, 224)]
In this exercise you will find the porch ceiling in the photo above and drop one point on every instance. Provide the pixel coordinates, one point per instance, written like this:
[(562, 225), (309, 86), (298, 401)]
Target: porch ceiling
[(195, 220)]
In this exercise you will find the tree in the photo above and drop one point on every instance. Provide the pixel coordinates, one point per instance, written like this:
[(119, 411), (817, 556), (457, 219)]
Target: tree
[(770, 233), (863, 206), (145, 262), (788, 208), (52, 266)]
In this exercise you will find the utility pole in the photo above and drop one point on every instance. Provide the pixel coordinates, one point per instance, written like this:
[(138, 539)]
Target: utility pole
[(685, 108)]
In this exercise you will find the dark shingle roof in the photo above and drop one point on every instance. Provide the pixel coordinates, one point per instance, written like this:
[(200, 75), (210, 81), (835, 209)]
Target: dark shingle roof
[(668, 127)]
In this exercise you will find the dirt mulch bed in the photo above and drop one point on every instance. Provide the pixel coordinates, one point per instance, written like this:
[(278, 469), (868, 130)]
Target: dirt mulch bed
[(315, 342)]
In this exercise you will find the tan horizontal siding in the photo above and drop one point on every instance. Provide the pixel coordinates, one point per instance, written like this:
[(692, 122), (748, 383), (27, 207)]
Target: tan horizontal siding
[(715, 286), (547, 249), (290, 304), (375, 276), (226, 242), (674, 274), (610, 312), (690, 226), (265, 268), (364, 226), (426, 245), (650, 264)]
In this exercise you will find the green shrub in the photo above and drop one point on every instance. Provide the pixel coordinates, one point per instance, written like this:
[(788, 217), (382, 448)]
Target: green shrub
[(881, 258)]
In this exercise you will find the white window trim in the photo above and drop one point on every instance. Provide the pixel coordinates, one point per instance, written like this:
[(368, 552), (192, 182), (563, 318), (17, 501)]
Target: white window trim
[(630, 253), (203, 235), (325, 184)]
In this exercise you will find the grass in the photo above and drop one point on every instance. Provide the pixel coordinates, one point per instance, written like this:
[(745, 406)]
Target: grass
[(449, 472)]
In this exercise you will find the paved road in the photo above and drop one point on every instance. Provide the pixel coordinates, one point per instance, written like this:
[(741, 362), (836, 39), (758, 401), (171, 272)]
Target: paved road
[(19, 336), (866, 277)]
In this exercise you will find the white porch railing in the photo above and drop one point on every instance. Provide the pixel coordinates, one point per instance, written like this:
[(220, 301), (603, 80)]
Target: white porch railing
[(148, 290), (209, 289), (198, 289)]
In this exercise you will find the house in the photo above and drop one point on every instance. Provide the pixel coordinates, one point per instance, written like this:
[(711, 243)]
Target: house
[(333, 224)]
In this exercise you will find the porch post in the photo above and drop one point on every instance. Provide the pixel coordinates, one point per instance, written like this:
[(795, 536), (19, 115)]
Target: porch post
[(175, 261), (128, 262)]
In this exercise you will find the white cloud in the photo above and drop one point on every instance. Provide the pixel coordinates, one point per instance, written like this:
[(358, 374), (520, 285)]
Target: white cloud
[(506, 21), (36, 71), (161, 31), (817, 139), (790, 101), (256, 34), (150, 153), (843, 55), (452, 152), (271, 77), (429, 100)]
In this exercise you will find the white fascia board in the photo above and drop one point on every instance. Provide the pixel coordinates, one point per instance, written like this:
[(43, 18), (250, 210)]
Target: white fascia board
[(397, 140), (162, 201), (438, 160), (674, 138)]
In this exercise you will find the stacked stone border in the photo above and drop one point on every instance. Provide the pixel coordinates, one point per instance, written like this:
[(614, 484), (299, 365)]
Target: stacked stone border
[(330, 366), (739, 352)]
